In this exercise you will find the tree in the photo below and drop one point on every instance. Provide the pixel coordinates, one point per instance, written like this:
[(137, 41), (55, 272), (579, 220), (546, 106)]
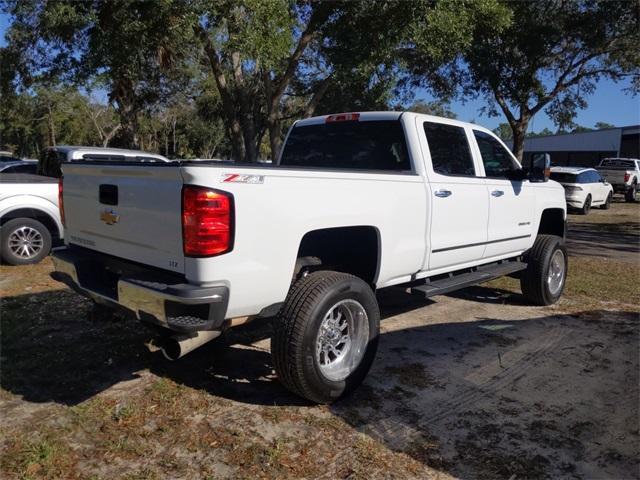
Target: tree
[(579, 129), (603, 125), (504, 131), (254, 54), (545, 132), (550, 56), (131, 46)]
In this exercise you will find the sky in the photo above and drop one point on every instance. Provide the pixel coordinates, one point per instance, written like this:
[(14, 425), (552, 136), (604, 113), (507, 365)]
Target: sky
[(609, 103)]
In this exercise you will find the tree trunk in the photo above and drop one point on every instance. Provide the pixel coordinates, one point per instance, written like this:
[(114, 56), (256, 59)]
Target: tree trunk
[(519, 129), (51, 128), (173, 129), (124, 97)]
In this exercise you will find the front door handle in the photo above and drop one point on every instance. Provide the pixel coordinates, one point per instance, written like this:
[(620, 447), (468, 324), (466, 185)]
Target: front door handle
[(442, 193), (497, 193)]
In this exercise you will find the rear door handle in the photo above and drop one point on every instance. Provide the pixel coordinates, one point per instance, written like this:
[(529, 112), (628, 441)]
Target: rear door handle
[(442, 193), (497, 193)]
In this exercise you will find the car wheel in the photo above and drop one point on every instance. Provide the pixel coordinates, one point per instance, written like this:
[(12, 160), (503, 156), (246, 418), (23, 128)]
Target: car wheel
[(607, 203), (543, 280), (24, 241), (586, 208), (630, 196), (326, 336)]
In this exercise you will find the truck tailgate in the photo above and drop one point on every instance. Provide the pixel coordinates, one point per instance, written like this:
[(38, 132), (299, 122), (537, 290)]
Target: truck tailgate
[(129, 211), (614, 175)]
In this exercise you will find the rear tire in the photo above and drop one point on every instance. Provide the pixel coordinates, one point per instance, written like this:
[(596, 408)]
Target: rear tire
[(24, 241), (543, 281), (630, 195), (607, 203), (322, 309), (586, 208)]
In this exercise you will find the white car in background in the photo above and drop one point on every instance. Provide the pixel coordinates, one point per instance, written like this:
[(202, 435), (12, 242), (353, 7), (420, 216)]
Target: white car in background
[(584, 188)]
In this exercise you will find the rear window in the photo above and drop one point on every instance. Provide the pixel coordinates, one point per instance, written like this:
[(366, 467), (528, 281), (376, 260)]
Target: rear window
[(49, 163), (375, 145), (564, 177), (617, 162)]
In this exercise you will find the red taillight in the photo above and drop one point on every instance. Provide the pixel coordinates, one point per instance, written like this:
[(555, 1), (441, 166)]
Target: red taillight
[(343, 117), (627, 176), (206, 222), (60, 203)]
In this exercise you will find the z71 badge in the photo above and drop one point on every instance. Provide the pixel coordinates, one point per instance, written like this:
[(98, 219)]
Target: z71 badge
[(237, 178)]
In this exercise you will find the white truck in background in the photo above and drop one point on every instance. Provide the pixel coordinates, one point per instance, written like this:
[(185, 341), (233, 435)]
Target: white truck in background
[(30, 222), (355, 203), (623, 174)]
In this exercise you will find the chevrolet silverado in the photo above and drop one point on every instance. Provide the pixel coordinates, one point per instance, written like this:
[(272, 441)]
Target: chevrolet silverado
[(357, 202)]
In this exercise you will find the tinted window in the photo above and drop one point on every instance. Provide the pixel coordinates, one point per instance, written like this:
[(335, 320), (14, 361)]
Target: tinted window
[(584, 177), (496, 159), (377, 145), (564, 177), (617, 162), (104, 158), (28, 168), (450, 153)]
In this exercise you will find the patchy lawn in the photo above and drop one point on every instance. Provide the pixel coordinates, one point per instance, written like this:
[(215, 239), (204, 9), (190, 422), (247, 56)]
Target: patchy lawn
[(476, 384)]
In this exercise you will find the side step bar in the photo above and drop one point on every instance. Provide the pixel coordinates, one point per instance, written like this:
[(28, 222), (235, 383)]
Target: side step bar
[(455, 281)]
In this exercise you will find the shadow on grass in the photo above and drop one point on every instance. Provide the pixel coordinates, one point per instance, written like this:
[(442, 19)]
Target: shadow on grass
[(487, 398), (53, 351)]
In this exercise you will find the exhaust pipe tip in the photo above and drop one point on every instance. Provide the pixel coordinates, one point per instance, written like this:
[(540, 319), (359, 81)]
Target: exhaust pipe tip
[(171, 349), (178, 346)]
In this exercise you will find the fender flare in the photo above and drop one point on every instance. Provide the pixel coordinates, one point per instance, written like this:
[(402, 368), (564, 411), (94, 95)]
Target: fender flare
[(20, 202)]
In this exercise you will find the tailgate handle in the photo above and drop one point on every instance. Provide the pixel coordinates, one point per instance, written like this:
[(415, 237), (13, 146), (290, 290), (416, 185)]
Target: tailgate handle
[(109, 194)]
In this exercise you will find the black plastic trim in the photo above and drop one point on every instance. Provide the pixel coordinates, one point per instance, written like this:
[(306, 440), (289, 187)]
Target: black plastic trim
[(479, 244)]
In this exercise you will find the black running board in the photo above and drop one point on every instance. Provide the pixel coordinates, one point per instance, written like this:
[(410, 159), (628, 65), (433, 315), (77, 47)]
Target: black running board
[(455, 281)]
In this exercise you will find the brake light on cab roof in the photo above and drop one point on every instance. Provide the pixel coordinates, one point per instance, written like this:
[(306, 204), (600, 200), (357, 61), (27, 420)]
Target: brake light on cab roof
[(343, 117)]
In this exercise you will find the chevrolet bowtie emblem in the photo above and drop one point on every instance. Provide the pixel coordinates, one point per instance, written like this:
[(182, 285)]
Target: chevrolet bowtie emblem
[(109, 217)]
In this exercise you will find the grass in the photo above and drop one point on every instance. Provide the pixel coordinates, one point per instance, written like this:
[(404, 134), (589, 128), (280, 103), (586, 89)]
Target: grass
[(620, 213), (37, 456), (162, 428), (592, 281)]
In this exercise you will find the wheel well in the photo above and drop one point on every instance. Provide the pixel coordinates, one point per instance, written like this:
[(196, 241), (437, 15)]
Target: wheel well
[(35, 214), (552, 222), (353, 250)]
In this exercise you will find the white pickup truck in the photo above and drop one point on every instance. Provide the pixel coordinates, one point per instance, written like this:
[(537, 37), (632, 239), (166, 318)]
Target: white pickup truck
[(29, 217), (623, 174), (355, 203)]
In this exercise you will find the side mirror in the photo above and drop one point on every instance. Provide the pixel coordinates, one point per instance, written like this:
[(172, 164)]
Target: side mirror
[(540, 167)]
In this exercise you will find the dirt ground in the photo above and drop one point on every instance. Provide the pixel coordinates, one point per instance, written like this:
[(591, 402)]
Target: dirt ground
[(476, 384)]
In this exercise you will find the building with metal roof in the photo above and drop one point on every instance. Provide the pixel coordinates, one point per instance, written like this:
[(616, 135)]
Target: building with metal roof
[(586, 149)]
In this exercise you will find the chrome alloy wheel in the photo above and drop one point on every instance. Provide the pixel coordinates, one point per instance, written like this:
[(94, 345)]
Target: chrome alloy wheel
[(25, 242), (342, 340), (557, 269)]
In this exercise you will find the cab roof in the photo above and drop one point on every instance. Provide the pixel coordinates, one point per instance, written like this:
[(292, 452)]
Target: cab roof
[(385, 115)]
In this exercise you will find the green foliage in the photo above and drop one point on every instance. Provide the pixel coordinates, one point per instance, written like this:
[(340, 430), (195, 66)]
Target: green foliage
[(504, 131), (548, 56), (227, 77)]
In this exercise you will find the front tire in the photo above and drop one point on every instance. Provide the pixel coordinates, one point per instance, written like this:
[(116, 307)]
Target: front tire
[(544, 279), (24, 241), (607, 203), (326, 336)]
